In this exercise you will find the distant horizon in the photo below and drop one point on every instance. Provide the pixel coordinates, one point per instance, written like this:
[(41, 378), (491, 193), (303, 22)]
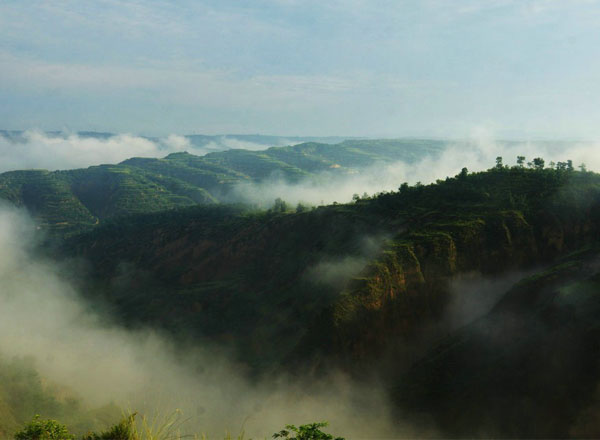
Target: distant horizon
[(523, 138)]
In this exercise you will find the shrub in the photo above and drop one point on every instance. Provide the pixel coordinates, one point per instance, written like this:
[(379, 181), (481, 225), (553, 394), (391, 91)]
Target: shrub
[(311, 431), (124, 430), (44, 430)]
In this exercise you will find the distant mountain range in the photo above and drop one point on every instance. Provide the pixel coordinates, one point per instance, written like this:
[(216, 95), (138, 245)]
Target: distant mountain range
[(203, 140)]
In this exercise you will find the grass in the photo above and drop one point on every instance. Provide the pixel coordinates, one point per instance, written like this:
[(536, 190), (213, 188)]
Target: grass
[(131, 427), (159, 427)]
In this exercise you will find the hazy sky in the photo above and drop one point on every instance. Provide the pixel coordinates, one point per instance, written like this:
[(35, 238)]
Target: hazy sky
[(352, 67)]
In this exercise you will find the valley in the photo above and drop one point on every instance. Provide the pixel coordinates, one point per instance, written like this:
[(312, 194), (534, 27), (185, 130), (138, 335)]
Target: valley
[(364, 287)]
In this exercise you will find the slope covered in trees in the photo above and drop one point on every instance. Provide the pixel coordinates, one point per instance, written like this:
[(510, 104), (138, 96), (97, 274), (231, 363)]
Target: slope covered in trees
[(368, 287), (339, 279)]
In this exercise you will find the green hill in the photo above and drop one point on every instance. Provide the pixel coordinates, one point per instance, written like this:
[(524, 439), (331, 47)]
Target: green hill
[(367, 286), (65, 202)]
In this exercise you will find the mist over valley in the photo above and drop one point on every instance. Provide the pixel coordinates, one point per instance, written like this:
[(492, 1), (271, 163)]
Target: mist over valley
[(299, 220), (264, 311)]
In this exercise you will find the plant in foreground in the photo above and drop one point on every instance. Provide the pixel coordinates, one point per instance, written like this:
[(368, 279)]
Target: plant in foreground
[(43, 430), (164, 429), (312, 431), (124, 430)]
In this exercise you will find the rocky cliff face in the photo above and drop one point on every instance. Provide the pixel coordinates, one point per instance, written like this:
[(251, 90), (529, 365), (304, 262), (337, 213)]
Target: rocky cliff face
[(406, 289)]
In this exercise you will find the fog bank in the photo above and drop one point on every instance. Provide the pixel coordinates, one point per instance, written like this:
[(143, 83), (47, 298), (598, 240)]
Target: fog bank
[(62, 151), (476, 154), (75, 345)]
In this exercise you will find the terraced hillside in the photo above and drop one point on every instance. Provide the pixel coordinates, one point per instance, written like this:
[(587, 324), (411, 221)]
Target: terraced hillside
[(70, 201)]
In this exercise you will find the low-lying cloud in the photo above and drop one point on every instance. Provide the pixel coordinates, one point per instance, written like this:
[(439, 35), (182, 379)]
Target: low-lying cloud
[(56, 151), (232, 143), (472, 295), (35, 149), (477, 154), (337, 271), (42, 316)]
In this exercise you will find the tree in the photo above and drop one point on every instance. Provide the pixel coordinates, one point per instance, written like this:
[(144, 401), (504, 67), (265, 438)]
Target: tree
[(520, 161), (279, 205), (569, 165), (499, 163), (124, 430), (582, 168), (463, 173), (43, 430), (311, 431), (538, 163)]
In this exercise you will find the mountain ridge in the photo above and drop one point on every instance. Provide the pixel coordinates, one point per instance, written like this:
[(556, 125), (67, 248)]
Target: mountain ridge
[(72, 200)]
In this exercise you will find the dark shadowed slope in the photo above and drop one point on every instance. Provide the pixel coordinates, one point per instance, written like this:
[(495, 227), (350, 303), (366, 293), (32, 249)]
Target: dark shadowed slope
[(352, 282), (530, 368)]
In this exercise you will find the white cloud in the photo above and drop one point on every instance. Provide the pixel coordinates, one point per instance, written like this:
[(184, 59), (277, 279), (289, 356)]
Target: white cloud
[(34, 149), (176, 142), (39, 150), (477, 154)]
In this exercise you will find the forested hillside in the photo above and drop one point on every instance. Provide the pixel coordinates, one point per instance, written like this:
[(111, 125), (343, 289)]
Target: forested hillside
[(336, 280), (370, 287)]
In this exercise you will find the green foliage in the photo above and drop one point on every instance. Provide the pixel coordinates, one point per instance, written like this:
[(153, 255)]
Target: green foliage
[(39, 429), (159, 428), (124, 430), (279, 205), (538, 163), (311, 431), (301, 208)]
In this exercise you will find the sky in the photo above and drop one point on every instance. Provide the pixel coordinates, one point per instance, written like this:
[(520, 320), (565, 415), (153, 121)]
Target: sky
[(374, 68)]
